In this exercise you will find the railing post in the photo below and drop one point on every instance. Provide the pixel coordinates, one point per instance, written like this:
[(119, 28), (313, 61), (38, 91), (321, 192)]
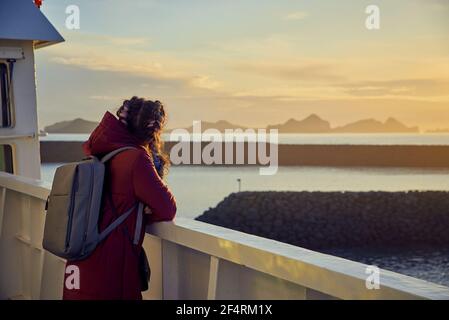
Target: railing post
[(213, 278), (170, 270)]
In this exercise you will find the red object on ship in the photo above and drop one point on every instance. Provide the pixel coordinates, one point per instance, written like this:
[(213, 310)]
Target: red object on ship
[(38, 3)]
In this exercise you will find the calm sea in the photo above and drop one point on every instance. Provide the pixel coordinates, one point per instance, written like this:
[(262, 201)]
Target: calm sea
[(197, 188)]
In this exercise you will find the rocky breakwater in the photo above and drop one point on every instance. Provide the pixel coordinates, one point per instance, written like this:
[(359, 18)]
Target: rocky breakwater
[(326, 220)]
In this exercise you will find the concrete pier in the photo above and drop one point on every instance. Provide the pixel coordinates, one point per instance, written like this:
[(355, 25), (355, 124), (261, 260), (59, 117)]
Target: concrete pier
[(303, 155)]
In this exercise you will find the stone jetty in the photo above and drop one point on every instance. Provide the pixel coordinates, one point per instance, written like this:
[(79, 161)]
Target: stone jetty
[(325, 220)]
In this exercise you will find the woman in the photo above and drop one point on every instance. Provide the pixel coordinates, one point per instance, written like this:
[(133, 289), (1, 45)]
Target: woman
[(112, 270)]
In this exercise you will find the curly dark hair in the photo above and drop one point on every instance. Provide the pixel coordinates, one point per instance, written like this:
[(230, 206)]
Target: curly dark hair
[(145, 119)]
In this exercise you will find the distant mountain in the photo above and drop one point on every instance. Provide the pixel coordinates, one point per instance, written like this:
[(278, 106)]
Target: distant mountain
[(73, 126), (311, 124), (314, 124), (391, 125)]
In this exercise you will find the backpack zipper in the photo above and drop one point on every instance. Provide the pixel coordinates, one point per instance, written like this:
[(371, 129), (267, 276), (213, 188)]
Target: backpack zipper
[(69, 223), (89, 205)]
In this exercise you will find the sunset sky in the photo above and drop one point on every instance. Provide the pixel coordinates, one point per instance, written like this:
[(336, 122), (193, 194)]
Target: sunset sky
[(251, 62)]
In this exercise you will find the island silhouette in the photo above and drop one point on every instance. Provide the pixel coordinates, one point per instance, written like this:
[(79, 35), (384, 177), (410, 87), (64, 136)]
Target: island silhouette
[(311, 124)]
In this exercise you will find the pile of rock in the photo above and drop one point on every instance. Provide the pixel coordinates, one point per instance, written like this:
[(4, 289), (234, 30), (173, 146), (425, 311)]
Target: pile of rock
[(322, 220)]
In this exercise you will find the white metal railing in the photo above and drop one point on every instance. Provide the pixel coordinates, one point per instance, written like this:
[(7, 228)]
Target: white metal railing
[(16, 136), (191, 260)]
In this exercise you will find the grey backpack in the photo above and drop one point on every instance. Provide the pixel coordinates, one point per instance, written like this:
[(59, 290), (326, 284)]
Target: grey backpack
[(73, 209)]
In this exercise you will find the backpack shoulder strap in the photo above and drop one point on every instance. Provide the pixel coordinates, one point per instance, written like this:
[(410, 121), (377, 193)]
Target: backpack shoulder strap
[(120, 220), (112, 154)]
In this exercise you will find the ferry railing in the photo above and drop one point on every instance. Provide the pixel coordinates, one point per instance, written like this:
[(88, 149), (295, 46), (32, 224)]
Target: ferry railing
[(192, 260)]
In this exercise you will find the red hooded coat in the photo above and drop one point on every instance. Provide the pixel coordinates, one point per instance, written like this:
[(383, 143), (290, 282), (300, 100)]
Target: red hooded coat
[(111, 271)]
